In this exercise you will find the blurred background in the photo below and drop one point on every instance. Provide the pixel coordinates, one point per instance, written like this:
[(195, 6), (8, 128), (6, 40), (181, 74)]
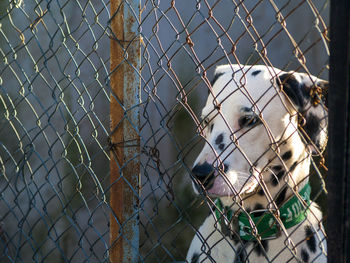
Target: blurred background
[(54, 106)]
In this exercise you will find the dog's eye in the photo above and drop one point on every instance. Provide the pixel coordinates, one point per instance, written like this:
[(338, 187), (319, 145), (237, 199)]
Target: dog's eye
[(248, 121)]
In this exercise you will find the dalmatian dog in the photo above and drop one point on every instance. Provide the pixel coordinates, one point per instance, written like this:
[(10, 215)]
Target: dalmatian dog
[(261, 127)]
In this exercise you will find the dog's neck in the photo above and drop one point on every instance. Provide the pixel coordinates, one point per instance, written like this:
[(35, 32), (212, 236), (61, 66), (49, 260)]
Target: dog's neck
[(274, 190)]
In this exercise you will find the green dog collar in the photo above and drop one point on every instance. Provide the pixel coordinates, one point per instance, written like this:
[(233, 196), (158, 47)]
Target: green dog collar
[(265, 226)]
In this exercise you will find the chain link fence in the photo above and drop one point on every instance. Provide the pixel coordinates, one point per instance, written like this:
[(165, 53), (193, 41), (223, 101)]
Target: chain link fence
[(103, 134)]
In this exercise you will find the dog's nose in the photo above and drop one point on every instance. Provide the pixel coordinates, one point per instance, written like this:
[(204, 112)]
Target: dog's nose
[(204, 173)]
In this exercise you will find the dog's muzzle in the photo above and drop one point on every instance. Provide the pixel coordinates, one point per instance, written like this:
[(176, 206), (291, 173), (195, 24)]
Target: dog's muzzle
[(204, 174), (217, 181)]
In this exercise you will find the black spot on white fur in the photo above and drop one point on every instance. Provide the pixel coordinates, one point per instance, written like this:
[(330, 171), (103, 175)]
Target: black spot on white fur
[(221, 146), (310, 239), (219, 139), (277, 174), (241, 254), (287, 155), (225, 168), (258, 207), (277, 168), (281, 197), (246, 109), (261, 192), (211, 127), (216, 76), (259, 248), (292, 167), (304, 255), (195, 258), (276, 177), (280, 175), (256, 72)]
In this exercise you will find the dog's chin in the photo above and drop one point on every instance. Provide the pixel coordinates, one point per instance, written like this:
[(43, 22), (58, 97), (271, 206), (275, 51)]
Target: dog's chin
[(221, 188)]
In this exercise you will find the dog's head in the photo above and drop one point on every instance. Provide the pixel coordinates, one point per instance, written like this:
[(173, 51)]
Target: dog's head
[(251, 115)]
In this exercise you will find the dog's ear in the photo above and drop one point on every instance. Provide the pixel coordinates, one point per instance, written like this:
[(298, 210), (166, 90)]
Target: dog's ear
[(308, 95)]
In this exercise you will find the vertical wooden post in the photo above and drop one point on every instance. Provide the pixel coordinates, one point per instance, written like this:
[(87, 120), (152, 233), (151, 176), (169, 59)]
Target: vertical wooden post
[(125, 140), (338, 179)]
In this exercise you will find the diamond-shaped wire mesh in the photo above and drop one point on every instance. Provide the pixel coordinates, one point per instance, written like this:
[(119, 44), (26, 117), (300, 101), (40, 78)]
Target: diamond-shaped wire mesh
[(57, 136)]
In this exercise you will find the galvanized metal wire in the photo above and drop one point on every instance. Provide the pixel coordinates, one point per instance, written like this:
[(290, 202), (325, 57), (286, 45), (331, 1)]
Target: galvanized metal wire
[(55, 134)]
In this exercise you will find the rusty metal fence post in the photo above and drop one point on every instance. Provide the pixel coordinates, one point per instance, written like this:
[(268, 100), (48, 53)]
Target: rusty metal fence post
[(125, 140), (338, 182)]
